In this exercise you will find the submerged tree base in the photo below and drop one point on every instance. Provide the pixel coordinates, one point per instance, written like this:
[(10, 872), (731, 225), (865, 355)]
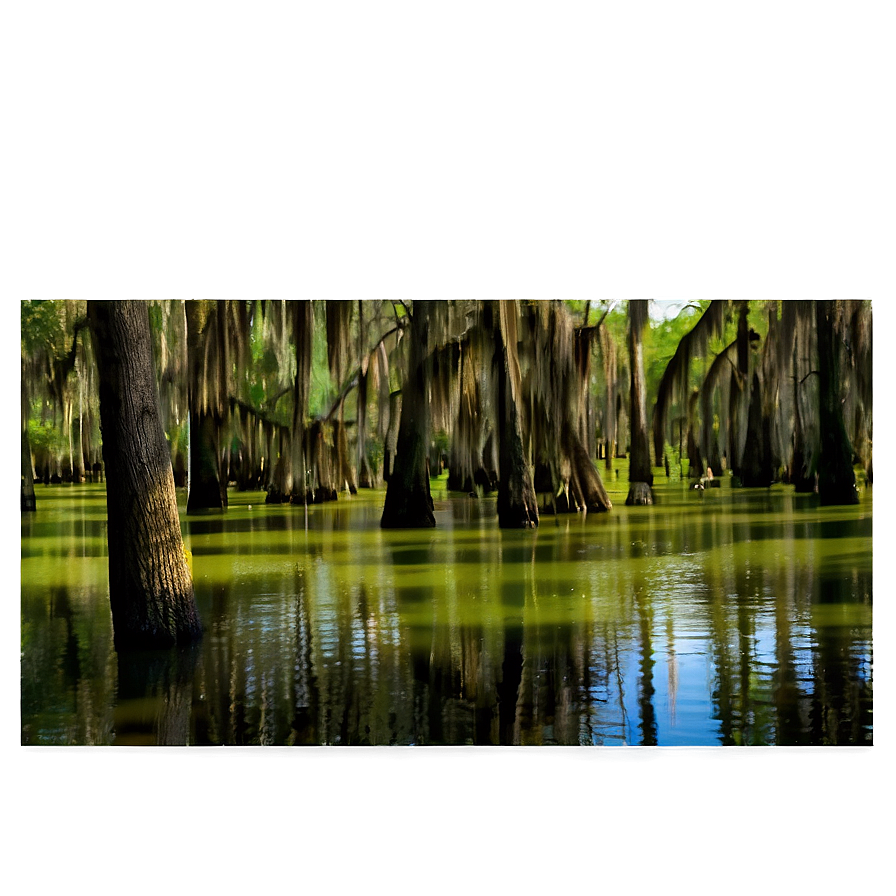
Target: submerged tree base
[(415, 514), (161, 634), (639, 493), (841, 493)]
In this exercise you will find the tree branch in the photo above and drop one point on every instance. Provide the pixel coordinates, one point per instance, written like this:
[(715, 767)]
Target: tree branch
[(352, 382)]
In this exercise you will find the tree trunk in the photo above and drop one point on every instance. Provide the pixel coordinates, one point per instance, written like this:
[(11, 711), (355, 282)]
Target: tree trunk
[(408, 499), (346, 475), (756, 469), (802, 476), (585, 481), (836, 478), (29, 500), (639, 469), (739, 395), (208, 489), (517, 501), (150, 588), (390, 443)]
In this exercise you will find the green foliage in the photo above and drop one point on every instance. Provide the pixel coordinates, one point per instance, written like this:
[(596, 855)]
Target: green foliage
[(678, 465), (43, 327), (661, 340), (442, 441), (46, 436)]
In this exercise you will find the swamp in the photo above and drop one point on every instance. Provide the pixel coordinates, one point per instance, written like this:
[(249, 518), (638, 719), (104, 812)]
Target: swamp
[(446, 523)]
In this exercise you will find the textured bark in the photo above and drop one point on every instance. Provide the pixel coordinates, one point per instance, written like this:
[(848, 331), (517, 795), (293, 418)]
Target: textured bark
[(639, 469), (836, 477), (322, 463), (408, 499), (585, 481), (150, 588), (639, 493), (517, 501)]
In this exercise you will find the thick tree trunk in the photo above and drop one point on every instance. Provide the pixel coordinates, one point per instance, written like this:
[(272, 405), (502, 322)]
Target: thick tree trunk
[(208, 489), (408, 499), (640, 473), (150, 588), (756, 468), (585, 482), (323, 462), (836, 477), (517, 501)]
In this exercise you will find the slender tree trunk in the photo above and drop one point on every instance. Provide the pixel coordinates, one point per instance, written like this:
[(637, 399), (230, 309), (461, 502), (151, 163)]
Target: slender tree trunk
[(150, 588), (739, 395), (801, 475), (695, 462), (640, 474), (390, 443), (346, 475), (836, 477), (207, 492), (28, 500), (408, 499)]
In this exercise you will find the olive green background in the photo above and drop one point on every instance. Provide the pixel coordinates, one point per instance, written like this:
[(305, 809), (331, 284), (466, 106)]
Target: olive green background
[(577, 149)]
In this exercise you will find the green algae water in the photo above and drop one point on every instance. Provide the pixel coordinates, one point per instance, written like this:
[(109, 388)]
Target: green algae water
[(724, 617)]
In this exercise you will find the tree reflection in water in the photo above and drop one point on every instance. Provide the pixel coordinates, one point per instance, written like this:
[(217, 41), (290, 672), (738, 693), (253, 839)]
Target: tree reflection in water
[(728, 621)]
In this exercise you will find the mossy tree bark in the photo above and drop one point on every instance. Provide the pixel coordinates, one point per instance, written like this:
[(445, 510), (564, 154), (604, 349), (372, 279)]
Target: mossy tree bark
[(408, 499), (150, 587), (585, 482), (640, 474), (836, 477), (517, 501)]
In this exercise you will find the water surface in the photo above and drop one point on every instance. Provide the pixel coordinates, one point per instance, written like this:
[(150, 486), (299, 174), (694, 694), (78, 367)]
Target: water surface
[(732, 616)]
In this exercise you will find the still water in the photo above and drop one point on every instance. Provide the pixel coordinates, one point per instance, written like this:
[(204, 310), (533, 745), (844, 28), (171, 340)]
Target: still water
[(731, 616)]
